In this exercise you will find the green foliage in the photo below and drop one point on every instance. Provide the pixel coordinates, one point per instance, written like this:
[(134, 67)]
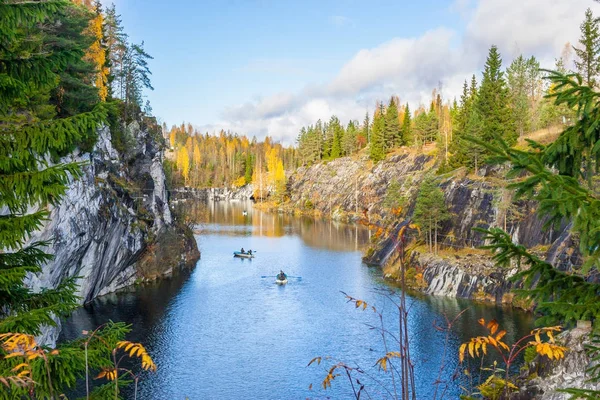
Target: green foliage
[(393, 196), (492, 101), (406, 130), (588, 52), (523, 80), (580, 143), (426, 128), (337, 134), (393, 133), (377, 145), (27, 182), (529, 355), (430, 210), (561, 297)]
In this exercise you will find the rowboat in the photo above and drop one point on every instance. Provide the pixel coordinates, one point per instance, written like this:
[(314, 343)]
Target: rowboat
[(242, 255), (281, 282)]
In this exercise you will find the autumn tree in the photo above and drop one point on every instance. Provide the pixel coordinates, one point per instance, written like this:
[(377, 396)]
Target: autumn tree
[(96, 53)]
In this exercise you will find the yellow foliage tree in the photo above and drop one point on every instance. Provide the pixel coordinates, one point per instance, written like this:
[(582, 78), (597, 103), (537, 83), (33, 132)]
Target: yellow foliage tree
[(172, 136), (275, 172), (183, 163), (96, 55)]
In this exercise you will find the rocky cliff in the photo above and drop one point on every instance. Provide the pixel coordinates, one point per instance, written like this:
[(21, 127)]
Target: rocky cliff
[(114, 226), (354, 188)]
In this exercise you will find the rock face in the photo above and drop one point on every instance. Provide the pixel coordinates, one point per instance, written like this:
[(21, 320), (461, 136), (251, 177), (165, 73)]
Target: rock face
[(111, 218), (472, 278), (352, 188), (543, 379), (214, 194)]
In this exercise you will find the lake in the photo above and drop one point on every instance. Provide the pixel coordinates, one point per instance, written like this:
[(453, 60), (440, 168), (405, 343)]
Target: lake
[(227, 331)]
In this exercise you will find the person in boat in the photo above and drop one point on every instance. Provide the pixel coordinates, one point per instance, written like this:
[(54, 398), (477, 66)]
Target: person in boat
[(250, 252), (281, 275), (243, 252)]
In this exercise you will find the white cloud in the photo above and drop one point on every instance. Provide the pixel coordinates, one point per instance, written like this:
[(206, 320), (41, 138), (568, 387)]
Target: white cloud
[(425, 58), (412, 67)]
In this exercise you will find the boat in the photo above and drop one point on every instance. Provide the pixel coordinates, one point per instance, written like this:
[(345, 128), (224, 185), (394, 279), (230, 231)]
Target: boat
[(281, 278), (242, 255)]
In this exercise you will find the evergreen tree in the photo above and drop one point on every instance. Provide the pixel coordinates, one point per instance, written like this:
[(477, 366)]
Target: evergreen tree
[(588, 53), (116, 46), (337, 136), (69, 29), (406, 132), (367, 127), (430, 211), (135, 77), (377, 146), (518, 74), (549, 175), (492, 101), (393, 134), (349, 141), (30, 133)]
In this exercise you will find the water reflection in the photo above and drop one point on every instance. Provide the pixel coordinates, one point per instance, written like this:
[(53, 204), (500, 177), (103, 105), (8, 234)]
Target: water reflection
[(239, 218)]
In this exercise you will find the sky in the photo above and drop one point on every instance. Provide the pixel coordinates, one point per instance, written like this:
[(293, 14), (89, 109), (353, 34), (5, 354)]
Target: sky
[(269, 67)]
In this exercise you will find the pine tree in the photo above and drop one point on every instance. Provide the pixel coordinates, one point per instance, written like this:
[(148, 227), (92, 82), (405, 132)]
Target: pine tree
[(588, 54), (393, 134), (492, 101), (116, 46), (135, 76), (377, 147)]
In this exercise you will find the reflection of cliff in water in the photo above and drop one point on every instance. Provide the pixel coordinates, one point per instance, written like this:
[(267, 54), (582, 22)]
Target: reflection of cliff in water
[(239, 218)]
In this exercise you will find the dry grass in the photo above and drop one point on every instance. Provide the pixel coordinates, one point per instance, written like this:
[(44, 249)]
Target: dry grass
[(543, 136)]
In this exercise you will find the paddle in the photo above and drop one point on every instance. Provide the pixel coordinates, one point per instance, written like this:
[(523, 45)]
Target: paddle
[(275, 276)]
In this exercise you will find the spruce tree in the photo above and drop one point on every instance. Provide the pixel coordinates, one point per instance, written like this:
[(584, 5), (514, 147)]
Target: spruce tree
[(588, 52), (337, 137), (367, 127), (406, 131), (492, 101), (28, 183), (349, 140), (31, 131), (393, 134), (517, 74), (377, 146)]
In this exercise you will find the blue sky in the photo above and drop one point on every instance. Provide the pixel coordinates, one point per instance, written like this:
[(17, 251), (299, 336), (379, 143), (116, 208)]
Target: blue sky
[(268, 67)]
